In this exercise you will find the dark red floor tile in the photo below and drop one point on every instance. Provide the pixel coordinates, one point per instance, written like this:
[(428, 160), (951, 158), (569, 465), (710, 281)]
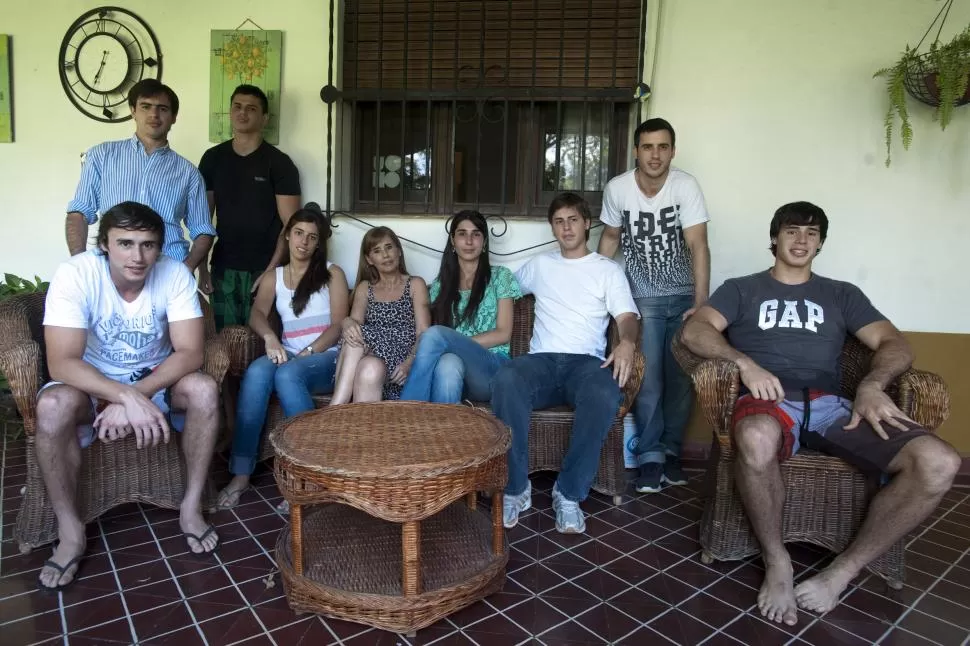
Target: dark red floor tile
[(233, 627), (440, 637), (143, 575), (84, 615), (161, 620), (473, 613), (596, 552), (572, 607), (944, 539), (733, 592), (709, 610), (151, 596), (825, 634), (617, 516), (940, 552), (88, 588), (115, 632), (857, 622), (669, 589), (608, 623), (959, 576), (751, 630), (188, 636), (946, 609), (215, 604), (28, 630), (681, 628), (933, 629), (953, 592), (630, 570), (536, 578), (275, 614), (535, 615), (876, 605), (622, 540), (643, 635), (671, 521), (900, 637), (257, 591), (694, 574), (570, 633), (496, 624), (25, 605), (304, 631), (203, 582), (374, 637)]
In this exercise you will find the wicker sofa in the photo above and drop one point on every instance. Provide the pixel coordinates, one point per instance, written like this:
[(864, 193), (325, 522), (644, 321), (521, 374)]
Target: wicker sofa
[(826, 498), (111, 474), (550, 428)]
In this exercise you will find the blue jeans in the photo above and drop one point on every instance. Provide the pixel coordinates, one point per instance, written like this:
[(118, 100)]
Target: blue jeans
[(663, 404), (293, 381), (447, 364), (551, 379)]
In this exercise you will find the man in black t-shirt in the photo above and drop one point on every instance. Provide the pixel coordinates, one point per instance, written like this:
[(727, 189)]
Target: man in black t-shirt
[(253, 188), (785, 329)]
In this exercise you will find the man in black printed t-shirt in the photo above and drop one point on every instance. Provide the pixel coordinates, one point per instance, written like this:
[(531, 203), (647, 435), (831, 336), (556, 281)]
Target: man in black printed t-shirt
[(785, 328), (253, 188)]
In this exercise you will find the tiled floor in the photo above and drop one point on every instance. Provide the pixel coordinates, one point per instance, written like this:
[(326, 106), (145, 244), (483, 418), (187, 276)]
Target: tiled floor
[(635, 578)]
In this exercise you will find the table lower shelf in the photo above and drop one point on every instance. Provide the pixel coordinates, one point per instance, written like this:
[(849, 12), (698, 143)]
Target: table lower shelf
[(352, 566)]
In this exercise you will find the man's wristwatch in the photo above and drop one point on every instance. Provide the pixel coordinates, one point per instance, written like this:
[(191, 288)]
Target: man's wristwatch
[(308, 349)]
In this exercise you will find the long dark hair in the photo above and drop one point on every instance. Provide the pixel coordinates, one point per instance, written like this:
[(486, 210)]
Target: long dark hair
[(317, 276), (449, 276)]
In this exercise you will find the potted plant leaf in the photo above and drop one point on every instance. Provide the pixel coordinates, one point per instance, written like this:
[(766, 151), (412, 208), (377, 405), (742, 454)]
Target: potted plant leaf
[(938, 77)]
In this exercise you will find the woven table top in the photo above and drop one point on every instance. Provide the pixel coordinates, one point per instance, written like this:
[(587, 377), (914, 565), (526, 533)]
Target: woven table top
[(394, 439)]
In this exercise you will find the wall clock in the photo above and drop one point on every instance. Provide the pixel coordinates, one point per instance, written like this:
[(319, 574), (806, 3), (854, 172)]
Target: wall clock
[(105, 52)]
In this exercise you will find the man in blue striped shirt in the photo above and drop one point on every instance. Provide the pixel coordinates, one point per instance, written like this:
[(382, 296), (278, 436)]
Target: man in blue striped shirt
[(144, 169)]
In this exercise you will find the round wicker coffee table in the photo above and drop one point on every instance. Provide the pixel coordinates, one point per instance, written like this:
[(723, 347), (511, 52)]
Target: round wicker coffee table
[(406, 546)]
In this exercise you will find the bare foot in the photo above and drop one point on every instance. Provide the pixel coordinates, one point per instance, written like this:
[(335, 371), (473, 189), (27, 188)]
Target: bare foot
[(71, 546), (821, 593), (776, 599), (203, 539)]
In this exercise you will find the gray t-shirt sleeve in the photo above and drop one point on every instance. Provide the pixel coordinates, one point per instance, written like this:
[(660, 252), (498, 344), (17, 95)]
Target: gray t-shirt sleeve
[(857, 310), (726, 299)]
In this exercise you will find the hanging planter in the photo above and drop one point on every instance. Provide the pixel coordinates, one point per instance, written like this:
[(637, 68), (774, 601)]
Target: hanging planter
[(938, 78)]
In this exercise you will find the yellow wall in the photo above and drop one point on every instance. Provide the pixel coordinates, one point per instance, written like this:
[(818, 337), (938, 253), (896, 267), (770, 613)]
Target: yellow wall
[(773, 101)]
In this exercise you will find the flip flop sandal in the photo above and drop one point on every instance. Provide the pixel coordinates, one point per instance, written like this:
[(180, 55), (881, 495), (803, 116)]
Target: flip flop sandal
[(61, 571), (200, 539), (235, 495)]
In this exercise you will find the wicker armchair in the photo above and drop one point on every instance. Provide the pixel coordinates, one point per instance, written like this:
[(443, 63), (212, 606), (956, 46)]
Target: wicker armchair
[(550, 429), (826, 498), (111, 474)]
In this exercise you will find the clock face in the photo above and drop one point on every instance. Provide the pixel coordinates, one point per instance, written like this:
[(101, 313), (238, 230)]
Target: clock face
[(104, 53)]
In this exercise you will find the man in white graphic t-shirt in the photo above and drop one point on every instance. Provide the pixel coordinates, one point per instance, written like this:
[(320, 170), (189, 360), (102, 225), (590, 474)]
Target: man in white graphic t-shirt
[(124, 335), (657, 214)]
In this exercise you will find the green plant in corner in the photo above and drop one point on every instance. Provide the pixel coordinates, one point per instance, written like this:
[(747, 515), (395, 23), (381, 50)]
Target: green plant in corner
[(938, 77), (14, 285)]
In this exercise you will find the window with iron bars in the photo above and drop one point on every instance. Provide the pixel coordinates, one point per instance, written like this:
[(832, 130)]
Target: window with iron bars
[(495, 105)]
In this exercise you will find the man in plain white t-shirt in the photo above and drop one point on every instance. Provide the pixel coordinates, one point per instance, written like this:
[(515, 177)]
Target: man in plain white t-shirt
[(124, 335), (659, 215), (576, 292)]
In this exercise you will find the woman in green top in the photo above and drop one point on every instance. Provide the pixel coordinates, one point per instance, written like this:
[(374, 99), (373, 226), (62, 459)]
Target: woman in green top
[(471, 309)]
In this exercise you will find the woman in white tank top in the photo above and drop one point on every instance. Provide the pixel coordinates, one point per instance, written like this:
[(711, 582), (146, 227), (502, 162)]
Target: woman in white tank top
[(309, 293)]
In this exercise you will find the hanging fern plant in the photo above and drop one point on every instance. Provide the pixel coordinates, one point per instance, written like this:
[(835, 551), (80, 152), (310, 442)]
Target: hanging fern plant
[(938, 77)]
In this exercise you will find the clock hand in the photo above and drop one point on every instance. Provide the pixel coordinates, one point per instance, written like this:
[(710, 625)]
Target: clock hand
[(104, 58)]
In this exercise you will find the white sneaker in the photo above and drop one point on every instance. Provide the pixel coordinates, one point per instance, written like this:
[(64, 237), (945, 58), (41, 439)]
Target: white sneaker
[(512, 506), (569, 517)]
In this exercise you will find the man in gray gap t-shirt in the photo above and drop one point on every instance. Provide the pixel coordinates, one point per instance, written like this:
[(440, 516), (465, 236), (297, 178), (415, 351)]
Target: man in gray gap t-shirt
[(785, 330)]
